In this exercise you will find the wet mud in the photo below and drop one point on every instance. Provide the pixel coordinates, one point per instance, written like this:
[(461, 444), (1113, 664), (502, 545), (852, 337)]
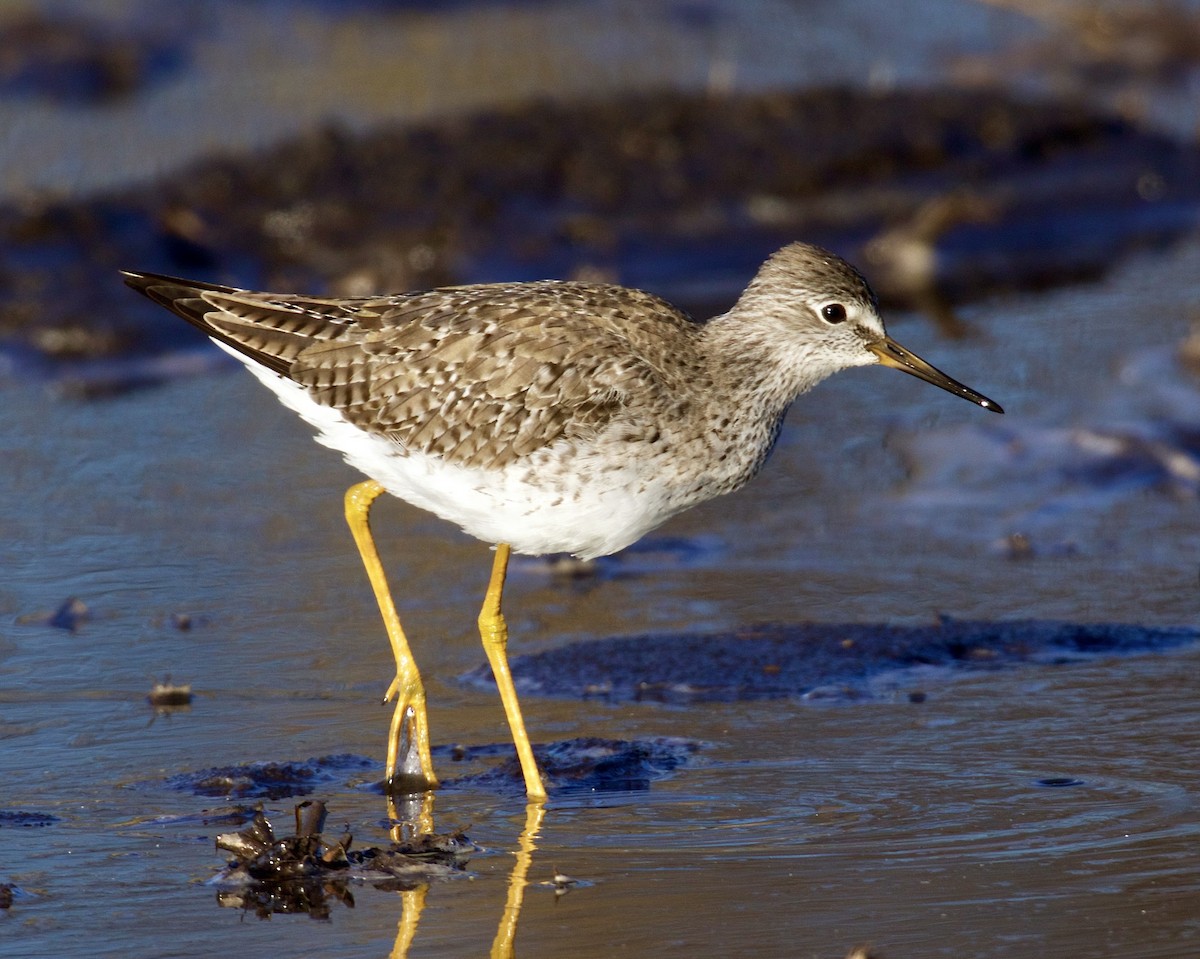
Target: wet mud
[(1135, 447), (1124, 49), (586, 764), (581, 764), (815, 660), (942, 196), (270, 780)]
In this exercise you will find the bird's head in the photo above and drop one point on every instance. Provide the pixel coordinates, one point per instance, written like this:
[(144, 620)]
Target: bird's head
[(819, 316)]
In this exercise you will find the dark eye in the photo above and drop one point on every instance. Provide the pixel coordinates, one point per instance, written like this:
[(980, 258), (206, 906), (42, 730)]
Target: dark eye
[(833, 312)]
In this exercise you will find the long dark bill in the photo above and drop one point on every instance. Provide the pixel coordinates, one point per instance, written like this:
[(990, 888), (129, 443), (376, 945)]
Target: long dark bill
[(892, 354)]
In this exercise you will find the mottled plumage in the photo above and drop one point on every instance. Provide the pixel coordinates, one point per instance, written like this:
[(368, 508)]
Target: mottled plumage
[(555, 416), (545, 417), (479, 375)]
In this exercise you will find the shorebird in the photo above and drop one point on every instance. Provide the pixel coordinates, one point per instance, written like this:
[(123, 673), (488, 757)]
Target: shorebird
[(543, 417)]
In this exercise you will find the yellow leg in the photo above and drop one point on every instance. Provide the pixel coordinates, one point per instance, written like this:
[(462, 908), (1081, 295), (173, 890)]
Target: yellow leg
[(409, 719), (494, 633)]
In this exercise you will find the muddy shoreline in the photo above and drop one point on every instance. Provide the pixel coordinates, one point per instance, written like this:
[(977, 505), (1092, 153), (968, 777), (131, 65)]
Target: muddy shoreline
[(943, 196)]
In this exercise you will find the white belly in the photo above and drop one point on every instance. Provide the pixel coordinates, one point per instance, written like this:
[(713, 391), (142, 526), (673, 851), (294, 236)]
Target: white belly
[(592, 509)]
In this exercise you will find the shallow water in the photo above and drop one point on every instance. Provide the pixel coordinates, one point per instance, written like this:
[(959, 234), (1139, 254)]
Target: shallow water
[(1045, 810)]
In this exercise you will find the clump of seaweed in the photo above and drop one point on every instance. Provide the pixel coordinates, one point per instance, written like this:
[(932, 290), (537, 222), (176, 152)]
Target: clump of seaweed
[(307, 872)]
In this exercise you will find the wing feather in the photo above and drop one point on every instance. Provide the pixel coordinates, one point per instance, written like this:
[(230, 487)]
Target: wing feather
[(478, 375)]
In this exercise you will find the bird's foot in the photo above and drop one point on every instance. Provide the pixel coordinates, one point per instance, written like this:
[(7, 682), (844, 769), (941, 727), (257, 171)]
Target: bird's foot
[(409, 764)]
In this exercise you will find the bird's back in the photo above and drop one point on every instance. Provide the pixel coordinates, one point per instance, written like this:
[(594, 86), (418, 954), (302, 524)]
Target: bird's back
[(477, 375)]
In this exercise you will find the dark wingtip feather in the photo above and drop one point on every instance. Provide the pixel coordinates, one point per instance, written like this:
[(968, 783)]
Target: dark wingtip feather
[(150, 283), (184, 299)]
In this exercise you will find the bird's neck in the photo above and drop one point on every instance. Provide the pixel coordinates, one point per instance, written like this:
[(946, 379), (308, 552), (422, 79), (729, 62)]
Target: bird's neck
[(752, 362), (750, 389)]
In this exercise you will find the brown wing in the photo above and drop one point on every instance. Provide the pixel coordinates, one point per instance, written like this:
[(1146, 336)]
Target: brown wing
[(478, 375)]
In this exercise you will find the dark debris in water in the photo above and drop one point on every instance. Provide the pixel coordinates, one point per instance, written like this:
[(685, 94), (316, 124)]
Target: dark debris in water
[(11, 893), (586, 764), (271, 780), (72, 613), (1058, 782), (19, 818), (307, 872), (810, 660)]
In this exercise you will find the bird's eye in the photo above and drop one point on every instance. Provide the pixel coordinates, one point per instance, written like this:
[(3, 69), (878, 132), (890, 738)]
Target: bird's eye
[(833, 313)]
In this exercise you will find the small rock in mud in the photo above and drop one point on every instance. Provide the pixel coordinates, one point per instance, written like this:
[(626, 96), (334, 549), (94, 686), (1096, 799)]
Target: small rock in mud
[(168, 695), (864, 952)]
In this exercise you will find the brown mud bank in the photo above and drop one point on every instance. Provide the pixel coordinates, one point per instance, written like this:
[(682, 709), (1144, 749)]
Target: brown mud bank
[(941, 195)]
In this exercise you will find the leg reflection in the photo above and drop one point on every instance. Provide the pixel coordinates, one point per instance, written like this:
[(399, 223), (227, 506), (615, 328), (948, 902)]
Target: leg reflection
[(412, 816), (412, 901), (502, 946)]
